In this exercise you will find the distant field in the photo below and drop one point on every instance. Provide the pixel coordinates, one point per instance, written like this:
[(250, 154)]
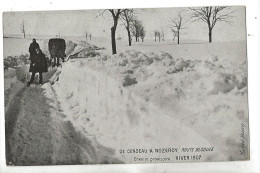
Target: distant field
[(14, 46)]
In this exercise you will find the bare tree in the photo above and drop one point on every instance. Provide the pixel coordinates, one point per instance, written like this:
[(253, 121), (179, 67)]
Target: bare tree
[(162, 35), (86, 34), (115, 15), (135, 28), (211, 15), (176, 26), (90, 36), (23, 29), (142, 33), (128, 17), (157, 34)]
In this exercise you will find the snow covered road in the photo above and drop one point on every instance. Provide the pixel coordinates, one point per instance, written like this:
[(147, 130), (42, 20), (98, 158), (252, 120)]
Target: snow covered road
[(37, 135), (102, 105)]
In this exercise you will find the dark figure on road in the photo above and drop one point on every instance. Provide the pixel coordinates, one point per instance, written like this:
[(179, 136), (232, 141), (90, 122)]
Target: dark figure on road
[(38, 65), (57, 47), (32, 49)]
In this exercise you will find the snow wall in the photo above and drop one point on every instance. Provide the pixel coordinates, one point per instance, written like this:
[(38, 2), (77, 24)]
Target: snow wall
[(116, 117)]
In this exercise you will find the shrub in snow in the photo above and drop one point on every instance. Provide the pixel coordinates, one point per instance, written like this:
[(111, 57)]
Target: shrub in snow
[(129, 81)]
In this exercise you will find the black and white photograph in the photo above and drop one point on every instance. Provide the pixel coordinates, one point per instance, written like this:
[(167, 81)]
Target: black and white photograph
[(126, 86)]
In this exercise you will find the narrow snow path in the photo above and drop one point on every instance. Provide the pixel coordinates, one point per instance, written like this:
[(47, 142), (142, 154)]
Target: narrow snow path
[(37, 135)]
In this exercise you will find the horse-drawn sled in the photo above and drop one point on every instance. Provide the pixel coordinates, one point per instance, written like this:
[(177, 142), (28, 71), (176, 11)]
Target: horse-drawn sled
[(57, 47)]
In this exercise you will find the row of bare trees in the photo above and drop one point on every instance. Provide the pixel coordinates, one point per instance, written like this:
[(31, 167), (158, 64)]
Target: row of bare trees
[(138, 30), (158, 34), (88, 35), (134, 27), (131, 23), (208, 15)]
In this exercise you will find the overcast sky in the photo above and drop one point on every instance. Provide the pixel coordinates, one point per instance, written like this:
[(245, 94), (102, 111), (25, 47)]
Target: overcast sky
[(76, 23)]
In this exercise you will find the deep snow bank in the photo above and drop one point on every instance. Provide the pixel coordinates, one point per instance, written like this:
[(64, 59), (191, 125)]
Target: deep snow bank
[(199, 100), (116, 117), (205, 76)]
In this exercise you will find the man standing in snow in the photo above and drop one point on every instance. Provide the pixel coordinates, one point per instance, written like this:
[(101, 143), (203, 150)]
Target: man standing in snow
[(38, 65), (32, 49)]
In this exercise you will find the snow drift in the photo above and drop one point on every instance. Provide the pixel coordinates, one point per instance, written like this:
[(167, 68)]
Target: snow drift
[(159, 99)]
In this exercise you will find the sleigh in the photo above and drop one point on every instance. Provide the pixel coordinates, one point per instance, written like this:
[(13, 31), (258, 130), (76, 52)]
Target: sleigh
[(57, 47)]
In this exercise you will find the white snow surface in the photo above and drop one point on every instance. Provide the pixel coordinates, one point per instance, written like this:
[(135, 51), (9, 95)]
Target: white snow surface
[(159, 96)]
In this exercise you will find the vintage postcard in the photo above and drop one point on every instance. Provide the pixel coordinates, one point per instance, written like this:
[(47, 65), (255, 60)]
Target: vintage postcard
[(121, 86)]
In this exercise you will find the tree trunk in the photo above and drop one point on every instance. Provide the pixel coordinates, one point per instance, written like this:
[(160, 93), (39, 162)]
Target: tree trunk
[(178, 38), (113, 39), (129, 36), (24, 35), (210, 35)]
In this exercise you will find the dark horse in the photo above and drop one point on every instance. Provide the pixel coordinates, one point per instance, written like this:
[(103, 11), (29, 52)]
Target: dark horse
[(57, 47)]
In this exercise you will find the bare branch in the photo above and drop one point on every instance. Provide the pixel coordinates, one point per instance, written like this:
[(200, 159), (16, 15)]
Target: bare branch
[(176, 26), (211, 16), (100, 13)]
